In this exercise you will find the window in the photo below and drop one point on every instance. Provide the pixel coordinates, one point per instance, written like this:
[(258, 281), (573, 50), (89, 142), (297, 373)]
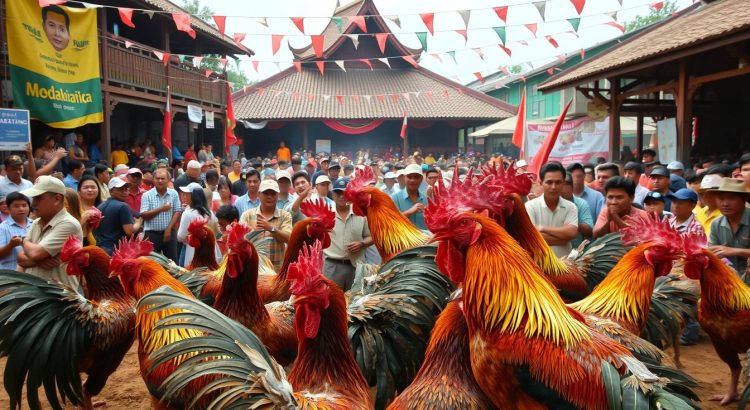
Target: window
[(537, 109)]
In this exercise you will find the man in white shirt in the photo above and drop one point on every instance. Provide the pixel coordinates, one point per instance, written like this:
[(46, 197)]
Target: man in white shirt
[(555, 217)]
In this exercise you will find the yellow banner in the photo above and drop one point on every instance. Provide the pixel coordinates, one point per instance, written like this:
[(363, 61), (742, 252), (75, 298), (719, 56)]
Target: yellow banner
[(54, 62)]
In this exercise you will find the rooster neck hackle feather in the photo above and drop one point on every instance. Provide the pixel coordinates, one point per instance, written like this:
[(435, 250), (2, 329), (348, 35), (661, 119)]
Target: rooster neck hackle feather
[(721, 289), (391, 231)]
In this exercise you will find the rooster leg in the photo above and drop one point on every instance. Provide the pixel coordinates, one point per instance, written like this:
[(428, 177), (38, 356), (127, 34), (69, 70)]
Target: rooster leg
[(731, 394), (676, 353)]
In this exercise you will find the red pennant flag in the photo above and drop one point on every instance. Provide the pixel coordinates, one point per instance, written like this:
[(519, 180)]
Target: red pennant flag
[(321, 66), (355, 98), (394, 98), (340, 99), (165, 59), (229, 137), (502, 12), (552, 41), (295, 96), (297, 65), (616, 25), (446, 95), (317, 43), (126, 15), (255, 65), (542, 155), (182, 21), (310, 97), (381, 37), (583, 54), (657, 6), (299, 22), (550, 71), (479, 77), (381, 98), (223, 61), (221, 23), (463, 34), (208, 73), (403, 126), (506, 49), (276, 42), (366, 62), (45, 3), (238, 37), (261, 90), (532, 28), (429, 95), (166, 131), (429, 19), (360, 22), (578, 4), (411, 60), (505, 70), (519, 134)]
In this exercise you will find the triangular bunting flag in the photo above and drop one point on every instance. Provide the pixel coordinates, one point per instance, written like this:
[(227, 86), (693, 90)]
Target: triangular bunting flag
[(612, 15), (295, 96), (428, 20), (340, 99), (381, 98), (310, 97), (321, 66), (149, 13), (505, 70), (255, 65), (326, 97), (355, 40), (340, 63), (396, 21), (261, 90), (532, 28), (159, 55), (276, 42), (165, 59), (359, 21), (126, 15), (221, 23), (502, 12), (223, 62), (657, 6), (394, 98), (550, 71), (552, 41), (238, 37), (437, 57), (453, 54), (208, 73), (385, 61), (297, 65), (582, 53), (355, 98), (182, 21), (367, 98), (578, 4), (299, 22), (410, 60), (422, 36), (446, 95), (339, 23), (540, 5), (429, 95), (479, 77), (317, 44), (465, 16), (197, 61), (128, 44), (366, 62), (381, 38), (616, 25), (500, 31), (575, 22), (464, 34), (479, 52), (407, 96), (506, 49), (561, 59)]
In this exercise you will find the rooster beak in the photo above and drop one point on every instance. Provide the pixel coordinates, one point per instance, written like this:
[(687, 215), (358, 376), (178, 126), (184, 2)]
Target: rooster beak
[(439, 237), (112, 274)]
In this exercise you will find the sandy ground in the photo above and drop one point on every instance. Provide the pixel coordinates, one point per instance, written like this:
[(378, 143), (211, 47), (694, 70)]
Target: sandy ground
[(125, 389)]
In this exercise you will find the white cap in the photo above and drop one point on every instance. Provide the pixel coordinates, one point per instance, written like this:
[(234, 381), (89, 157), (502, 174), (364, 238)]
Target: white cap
[(389, 175), (116, 182), (190, 187), (132, 171), (521, 163), (282, 173), (44, 184), (710, 181), (321, 179), (121, 167), (413, 169), (399, 173), (675, 166), (269, 185), (193, 164)]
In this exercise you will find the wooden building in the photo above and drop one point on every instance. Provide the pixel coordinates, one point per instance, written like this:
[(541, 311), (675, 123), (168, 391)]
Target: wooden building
[(362, 105)]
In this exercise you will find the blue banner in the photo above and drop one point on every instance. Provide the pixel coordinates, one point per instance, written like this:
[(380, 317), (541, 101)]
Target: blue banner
[(15, 129)]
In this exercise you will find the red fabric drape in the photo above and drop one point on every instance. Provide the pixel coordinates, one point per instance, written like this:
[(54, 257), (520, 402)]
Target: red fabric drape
[(353, 127)]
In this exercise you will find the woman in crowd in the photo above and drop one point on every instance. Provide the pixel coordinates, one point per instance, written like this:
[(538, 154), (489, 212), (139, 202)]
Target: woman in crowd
[(75, 209), (225, 194), (193, 196), (89, 193)]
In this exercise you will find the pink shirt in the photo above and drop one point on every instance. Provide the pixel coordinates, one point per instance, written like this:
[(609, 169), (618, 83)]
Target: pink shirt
[(604, 216)]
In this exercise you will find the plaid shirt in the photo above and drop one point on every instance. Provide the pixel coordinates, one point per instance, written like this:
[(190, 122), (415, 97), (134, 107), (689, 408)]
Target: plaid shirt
[(691, 225), (8, 229), (152, 200), (282, 221)]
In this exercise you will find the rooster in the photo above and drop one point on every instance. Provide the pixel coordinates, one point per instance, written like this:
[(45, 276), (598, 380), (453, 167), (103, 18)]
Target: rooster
[(238, 299), (203, 239), (527, 348), (723, 309), (51, 333), (324, 376)]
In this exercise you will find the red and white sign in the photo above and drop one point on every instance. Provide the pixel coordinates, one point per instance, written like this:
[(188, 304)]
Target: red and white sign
[(579, 140)]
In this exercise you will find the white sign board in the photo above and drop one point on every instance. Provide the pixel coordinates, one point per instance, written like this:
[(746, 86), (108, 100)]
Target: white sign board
[(195, 113), (666, 132), (579, 140), (15, 129), (323, 146), (209, 119)]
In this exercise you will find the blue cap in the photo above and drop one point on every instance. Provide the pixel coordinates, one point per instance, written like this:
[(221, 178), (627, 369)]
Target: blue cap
[(684, 194), (653, 196), (340, 184)]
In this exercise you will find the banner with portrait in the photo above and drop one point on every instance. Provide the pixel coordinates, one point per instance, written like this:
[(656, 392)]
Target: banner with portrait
[(579, 140), (54, 63)]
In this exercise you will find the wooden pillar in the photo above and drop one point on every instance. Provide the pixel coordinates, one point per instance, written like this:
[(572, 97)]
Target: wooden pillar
[(639, 136), (614, 119), (107, 108), (684, 118), (305, 136)]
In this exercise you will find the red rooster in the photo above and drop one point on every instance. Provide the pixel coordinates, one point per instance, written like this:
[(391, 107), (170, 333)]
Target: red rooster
[(238, 299), (324, 376), (203, 239), (723, 309), (527, 348), (51, 333)]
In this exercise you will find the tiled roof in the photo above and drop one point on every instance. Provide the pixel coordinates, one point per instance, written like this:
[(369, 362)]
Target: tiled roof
[(278, 100), (696, 26)]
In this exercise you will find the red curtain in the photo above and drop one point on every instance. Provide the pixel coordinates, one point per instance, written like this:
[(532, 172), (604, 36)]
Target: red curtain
[(353, 127)]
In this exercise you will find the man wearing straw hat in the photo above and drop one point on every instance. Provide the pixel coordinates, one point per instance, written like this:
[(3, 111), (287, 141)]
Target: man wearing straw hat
[(730, 233)]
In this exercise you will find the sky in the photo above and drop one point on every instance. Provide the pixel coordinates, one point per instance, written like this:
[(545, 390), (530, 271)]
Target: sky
[(526, 49)]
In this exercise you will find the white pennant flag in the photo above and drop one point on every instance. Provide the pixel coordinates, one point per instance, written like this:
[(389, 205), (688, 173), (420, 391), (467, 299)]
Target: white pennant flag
[(128, 44), (407, 96), (355, 39), (385, 61), (262, 21), (395, 20), (278, 65), (326, 97), (367, 98), (465, 16), (340, 63), (150, 14)]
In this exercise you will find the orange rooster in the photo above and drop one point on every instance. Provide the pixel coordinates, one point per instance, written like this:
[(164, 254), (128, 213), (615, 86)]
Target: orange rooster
[(50, 332), (324, 376), (238, 299), (723, 309), (529, 350)]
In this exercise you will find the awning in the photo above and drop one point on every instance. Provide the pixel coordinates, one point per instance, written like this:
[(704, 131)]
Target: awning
[(628, 125)]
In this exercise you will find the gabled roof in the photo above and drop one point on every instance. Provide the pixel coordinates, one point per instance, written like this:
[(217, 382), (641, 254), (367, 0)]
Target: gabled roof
[(683, 33), (277, 103)]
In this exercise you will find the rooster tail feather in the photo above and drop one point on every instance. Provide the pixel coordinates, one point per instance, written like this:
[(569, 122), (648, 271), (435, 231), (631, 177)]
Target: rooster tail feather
[(599, 257), (670, 305), (175, 270)]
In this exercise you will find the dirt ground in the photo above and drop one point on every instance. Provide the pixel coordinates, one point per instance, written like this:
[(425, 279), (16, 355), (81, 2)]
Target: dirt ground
[(125, 389)]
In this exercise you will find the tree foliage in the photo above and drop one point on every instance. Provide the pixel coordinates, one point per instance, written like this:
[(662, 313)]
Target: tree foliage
[(670, 6)]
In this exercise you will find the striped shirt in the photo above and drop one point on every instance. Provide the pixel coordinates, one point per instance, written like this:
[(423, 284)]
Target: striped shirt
[(152, 200), (690, 225), (8, 229), (244, 203), (282, 221)]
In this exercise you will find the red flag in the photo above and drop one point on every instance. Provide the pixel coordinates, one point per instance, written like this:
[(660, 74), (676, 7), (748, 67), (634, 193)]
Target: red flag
[(229, 138), (299, 22), (166, 131), (276, 42), (381, 37), (428, 20), (479, 77), (297, 65), (542, 155), (410, 60), (321, 66), (360, 22), (519, 134), (403, 126), (317, 43), (182, 21), (238, 37), (126, 15), (502, 12), (532, 28), (221, 22), (578, 4)]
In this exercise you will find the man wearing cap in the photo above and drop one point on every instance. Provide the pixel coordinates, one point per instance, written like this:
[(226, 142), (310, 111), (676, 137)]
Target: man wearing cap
[(285, 183), (710, 211), (654, 203), (161, 210), (594, 199), (135, 191), (411, 201), (251, 198), (676, 176), (12, 181), (389, 184), (683, 219), (730, 233), (659, 178), (633, 171), (349, 239), (274, 222), (333, 171), (118, 216), (324, 162), (322, 188), (192, 174), (54, 225)]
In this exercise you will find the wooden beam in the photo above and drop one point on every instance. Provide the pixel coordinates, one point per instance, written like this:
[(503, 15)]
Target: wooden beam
[(684, 117), (639, 137), (105, 140), (721, 75), (646, 90), (614, 119)]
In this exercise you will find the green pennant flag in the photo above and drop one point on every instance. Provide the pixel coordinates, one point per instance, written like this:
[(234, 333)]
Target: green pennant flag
[(500, 33), (575, 22), (422, 36), (181, 57), (453, 54), (339, 23)]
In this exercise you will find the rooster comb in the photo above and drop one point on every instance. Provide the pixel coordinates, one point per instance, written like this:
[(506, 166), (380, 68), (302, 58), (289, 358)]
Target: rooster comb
[(362, 178), (694, 242), (649, 228), (236, 233), (309, 266), (511, 180), (128, 249), (70, 248), (319, 209), (198, 228)]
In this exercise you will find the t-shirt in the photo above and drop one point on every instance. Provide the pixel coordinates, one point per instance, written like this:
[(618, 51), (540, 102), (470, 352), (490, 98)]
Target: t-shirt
[(119, 157), (564, 214), (52, 237), (115, 214), (283, 154), (604, 217)]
